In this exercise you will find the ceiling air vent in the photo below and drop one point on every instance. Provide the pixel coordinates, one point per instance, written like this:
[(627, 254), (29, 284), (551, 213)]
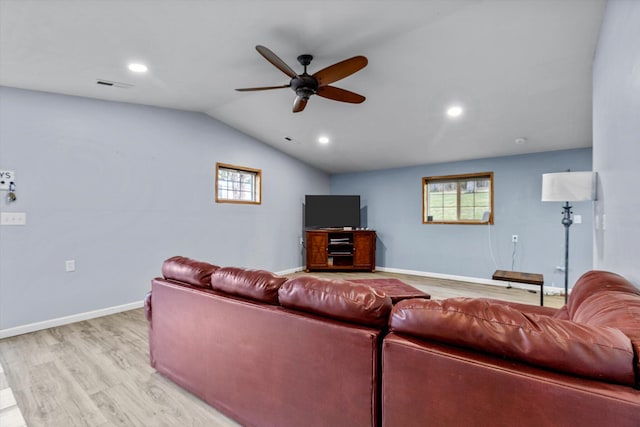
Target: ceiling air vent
[(103, 82)]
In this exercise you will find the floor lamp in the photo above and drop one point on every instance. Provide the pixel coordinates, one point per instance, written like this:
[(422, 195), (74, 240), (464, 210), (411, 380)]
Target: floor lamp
[(568, 187)]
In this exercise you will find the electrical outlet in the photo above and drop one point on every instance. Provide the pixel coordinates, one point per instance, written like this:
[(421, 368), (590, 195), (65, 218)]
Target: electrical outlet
[(70, 265), (514, 238)]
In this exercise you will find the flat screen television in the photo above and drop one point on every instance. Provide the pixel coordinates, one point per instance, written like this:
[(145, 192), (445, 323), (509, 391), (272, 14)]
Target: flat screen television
[(331, 211)]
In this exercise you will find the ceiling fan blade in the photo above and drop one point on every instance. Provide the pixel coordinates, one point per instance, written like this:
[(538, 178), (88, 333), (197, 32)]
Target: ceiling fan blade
[(337, 94), (249, 89), (299, 104), (340, 70), (277, 62)]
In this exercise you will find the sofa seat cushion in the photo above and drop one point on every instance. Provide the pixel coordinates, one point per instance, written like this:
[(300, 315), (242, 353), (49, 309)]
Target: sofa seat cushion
[(189, 271), (340, 299), (597, 352), (259, 285)]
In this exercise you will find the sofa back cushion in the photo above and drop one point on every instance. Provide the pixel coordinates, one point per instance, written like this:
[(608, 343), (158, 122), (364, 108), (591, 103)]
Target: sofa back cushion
[(487, 325), (188, 270), (340, 299), (259, 285)]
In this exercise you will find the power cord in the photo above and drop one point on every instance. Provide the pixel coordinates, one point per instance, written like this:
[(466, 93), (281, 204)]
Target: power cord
[(493, 258), (513, 261)]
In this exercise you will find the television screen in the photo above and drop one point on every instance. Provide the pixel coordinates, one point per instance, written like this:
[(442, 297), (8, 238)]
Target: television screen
[(331, 211)]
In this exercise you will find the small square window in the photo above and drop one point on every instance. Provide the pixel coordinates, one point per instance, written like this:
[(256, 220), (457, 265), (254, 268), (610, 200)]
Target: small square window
[(458, 199), (238, 184)]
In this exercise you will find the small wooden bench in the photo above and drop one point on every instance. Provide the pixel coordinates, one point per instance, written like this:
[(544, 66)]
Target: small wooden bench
[(519, 277)]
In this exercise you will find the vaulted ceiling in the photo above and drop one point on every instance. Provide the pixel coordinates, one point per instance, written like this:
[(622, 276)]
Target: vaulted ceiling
[(520, 69)]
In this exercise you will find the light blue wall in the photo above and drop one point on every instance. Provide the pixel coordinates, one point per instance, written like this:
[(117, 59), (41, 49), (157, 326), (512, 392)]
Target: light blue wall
[(391, 204), (616, 139), (121, 187)]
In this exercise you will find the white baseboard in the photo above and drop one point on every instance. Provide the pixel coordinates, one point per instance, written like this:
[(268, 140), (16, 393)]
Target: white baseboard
[(289, 271), (38, 326), (554, 290)]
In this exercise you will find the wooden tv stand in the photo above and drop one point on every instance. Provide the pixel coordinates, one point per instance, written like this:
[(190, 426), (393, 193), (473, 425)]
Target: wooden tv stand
[(337, 249)]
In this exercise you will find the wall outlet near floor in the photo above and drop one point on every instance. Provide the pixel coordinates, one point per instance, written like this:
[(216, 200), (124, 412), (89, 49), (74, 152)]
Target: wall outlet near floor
[(70, 265), (514, 238)]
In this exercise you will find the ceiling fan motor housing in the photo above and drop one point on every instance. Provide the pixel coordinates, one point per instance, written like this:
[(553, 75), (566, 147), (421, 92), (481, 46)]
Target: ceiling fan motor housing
[(304, 85)]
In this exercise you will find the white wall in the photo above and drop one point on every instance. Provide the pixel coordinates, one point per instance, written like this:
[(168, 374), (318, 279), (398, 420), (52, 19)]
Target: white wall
[(616, 140), (121, 187)]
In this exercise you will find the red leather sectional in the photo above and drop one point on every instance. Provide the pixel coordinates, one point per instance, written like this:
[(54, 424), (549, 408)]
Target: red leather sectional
[(272, 351), (483, 362), (268, 351)]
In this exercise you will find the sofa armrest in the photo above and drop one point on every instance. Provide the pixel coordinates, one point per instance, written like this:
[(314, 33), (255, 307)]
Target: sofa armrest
[(591, 351), (147, 306)]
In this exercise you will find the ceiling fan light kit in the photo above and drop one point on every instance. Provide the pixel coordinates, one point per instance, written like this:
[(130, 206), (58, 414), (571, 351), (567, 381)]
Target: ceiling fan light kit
[(306, 85)]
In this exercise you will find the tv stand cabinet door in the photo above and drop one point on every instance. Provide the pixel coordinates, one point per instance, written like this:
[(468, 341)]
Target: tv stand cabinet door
[(364, 250), (317, 244)]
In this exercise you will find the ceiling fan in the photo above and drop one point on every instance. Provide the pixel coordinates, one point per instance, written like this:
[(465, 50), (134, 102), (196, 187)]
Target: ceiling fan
[(305, 85)]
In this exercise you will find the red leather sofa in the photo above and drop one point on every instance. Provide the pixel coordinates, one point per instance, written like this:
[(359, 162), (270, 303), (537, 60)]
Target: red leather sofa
[(482, 362), (268, 351)]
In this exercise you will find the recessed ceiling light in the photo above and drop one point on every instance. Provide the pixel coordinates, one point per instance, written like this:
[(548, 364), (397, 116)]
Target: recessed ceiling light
[(323, 140), (138, 68), (520, 140), (454, 111)]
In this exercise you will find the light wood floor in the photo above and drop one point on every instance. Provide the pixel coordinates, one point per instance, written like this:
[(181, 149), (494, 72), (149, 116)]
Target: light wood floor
[(96, 373)]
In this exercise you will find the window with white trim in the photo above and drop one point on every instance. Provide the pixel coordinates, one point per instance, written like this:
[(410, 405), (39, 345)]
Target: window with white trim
[(238, 184)]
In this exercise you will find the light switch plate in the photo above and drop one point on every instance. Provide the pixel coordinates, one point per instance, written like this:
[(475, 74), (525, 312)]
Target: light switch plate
[(13, 218)]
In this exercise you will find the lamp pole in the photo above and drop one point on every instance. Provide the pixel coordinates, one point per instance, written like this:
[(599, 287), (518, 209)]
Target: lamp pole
[(568, 187), (566, 221)]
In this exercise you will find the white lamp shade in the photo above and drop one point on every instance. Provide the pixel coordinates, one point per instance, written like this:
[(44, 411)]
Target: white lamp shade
[(568, 186)]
